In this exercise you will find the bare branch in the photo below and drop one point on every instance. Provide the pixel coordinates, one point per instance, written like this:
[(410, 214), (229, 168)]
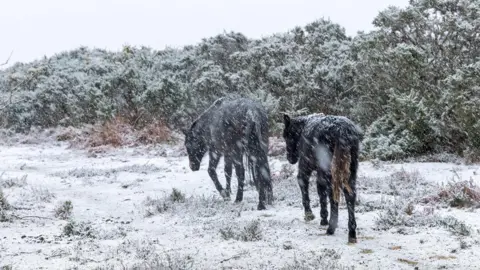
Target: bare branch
[(8, 59)]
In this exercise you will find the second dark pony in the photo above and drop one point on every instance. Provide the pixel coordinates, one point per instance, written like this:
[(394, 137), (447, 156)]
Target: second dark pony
[(328, 145)]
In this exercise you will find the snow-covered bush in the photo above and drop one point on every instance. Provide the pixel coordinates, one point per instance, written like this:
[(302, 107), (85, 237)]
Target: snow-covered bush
[(410, 83)]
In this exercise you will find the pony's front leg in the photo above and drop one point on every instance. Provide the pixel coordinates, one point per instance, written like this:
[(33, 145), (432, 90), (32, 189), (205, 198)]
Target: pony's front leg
[(212, 167), (228, 173), (303, 178)]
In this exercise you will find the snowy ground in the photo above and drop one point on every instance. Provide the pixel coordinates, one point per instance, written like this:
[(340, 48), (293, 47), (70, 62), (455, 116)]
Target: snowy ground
[(124, 216)]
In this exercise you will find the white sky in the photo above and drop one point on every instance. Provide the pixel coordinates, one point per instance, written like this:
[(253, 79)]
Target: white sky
[(34, 28)]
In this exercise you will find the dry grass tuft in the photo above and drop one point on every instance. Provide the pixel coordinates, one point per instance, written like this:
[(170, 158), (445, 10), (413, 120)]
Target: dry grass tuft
[(155, 132), (113, 132), (117, 132), (409, 262), (458, 194)]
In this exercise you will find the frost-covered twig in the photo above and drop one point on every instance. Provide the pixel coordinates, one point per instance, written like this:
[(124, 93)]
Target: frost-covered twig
[(24, 217), (8, 59), (236, 256)]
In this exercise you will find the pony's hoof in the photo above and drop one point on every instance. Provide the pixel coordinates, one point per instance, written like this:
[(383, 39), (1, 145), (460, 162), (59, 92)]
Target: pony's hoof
[(352, 240), (324, 222), (225, 195), (309, 216), (330, 231), (261, 207), (237, 201)]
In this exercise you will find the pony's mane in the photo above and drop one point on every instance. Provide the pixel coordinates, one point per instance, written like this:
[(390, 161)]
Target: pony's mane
[(309, 116), (215, 104)]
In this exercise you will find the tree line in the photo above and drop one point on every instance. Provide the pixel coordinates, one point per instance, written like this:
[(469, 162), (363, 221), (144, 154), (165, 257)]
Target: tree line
[(412, 83)]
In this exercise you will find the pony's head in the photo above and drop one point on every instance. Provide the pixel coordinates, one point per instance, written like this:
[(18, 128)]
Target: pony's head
[(291, 134), (196, 145)]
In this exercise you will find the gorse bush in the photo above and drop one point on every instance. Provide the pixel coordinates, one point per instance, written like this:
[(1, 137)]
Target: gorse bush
[(412, 83)]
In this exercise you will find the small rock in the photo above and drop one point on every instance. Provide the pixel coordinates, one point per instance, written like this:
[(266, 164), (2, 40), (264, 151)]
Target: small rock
[(287, 245)]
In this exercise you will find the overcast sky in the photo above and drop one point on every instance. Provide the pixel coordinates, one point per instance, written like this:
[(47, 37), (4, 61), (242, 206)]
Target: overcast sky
[(34, 28)]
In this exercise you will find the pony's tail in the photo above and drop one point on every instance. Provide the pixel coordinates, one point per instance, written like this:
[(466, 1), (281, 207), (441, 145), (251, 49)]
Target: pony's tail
[(249, 165), (340, 170), (257, 162)]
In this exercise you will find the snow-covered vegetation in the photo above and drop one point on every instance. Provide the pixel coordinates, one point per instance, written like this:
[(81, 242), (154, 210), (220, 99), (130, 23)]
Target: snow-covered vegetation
[(142, 208), (412, 84), (93, 174)]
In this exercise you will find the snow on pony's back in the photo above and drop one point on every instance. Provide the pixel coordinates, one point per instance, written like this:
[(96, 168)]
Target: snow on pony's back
[(340, 126), (331, 128)]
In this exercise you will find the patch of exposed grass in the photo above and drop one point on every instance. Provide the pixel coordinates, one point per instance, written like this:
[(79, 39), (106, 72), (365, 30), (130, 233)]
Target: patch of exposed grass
[(250, 233), (410, 185), (64, 210), (440, 257), (120, 131), (41, 194), (159, 206), (146, 256), (366, 251), (92, 172), (458, 194), (409, 262), (177, 202), (155, 206), (4, 207), (9, 182), (82, 229), (326, 259), (3, 201), (154, 133), (455, 226), (177, 196)]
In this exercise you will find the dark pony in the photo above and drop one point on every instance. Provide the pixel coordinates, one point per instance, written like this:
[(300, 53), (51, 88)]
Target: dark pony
[(328, 145), (233, 128)]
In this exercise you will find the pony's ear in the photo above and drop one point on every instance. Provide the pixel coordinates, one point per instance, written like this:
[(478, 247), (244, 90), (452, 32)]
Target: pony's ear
[(286, 119)]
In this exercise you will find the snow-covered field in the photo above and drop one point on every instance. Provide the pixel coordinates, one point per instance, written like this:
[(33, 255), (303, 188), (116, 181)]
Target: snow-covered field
[(125, 216)]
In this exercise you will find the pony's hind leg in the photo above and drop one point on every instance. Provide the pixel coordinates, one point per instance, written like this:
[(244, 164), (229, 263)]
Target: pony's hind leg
[(228, 173), (350, 198), (322, 184), (352, 223), (212, 167), (240, 172), (332, 226)]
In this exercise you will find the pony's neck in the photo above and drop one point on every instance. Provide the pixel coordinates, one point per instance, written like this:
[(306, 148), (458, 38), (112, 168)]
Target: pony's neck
[(301, 122), (201, 126)]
